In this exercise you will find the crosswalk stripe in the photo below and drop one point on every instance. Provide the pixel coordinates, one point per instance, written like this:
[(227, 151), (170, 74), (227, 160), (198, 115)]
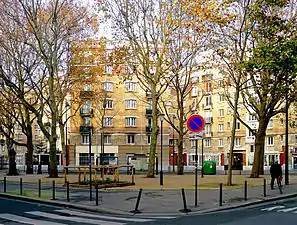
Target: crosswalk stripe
[(162, 217), (73, 218), (76, 213), (287, 210), (26, 220), (274, 207)]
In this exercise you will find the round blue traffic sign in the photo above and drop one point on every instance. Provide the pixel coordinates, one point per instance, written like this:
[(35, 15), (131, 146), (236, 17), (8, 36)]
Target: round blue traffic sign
[(195, 123)]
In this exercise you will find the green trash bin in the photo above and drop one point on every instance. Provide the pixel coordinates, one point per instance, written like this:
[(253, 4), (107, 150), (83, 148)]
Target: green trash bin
[(209, 167)]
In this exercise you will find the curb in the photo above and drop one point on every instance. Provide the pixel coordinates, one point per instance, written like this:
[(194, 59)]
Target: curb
[(118, 212), (243, 205)]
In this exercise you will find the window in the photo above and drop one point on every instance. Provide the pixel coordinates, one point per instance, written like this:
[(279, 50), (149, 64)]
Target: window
[(237, 141), (86, 121), (228, 125), (296, 139), (282, 138), (270, 124), (130, 86), (108, 104), (208, 101), (193, 143), (270, 140), (252, 117), (149, 139), (20, 136), (194, 91), (221, 127), (207, 142), (221, 112), (221, 83), (221, 142), (237, 125), (252, 148), (107, 86), (228, 140), (222, 97), (107, 121), (208, 86), (84, 159), (108, 69), (35, 137), (36, 127), (107, 139), (130, 139), (130, 104), (208, 129), (87, 87), (130, 121), (281, 121), (85, 139)]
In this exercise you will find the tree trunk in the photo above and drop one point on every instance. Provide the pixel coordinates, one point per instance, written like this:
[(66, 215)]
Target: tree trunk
[(180, 163), (63, 143), (151, 166), (258, 163), (53, 169), (29, 160), (229, 178), (12, 170), (180, 157)]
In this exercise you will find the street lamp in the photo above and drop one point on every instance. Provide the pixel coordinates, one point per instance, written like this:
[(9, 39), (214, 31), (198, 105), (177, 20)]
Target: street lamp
[(173, 150), (66, 146), (161, 116)]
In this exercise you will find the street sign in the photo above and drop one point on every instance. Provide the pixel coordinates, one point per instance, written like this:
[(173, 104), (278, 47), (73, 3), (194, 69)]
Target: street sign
[(195, 123), (195, 136)]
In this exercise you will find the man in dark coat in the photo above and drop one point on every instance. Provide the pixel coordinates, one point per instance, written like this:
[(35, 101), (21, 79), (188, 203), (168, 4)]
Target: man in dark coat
[(275, 172)]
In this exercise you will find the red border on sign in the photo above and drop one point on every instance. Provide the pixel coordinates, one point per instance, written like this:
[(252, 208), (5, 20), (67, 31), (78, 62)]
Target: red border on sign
[(190, 119)]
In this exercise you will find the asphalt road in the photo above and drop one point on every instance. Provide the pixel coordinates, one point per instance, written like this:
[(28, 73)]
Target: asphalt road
[(282, 212), (19, 212)]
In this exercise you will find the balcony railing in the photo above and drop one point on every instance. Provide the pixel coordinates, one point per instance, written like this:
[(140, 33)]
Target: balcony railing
[(85, 129), (250, 139), (148, 129), (148, 112), (208, 119), (86, 94), (86, 112), (209, 134)]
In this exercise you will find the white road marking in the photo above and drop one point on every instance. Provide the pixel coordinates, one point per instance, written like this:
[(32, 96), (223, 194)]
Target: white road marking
[(26, 220), (76, 213), (287, 210), (73, 218), (274, 207)]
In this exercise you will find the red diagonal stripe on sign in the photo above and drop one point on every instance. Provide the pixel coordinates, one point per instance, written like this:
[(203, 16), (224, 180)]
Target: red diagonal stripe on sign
[(196, 124)]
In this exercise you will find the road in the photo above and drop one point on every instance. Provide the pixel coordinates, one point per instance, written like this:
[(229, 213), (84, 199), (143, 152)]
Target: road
[(282, 212), (19, 212)]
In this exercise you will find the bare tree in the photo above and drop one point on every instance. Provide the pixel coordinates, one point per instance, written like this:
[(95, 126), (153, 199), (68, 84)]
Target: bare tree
[(145, 27)]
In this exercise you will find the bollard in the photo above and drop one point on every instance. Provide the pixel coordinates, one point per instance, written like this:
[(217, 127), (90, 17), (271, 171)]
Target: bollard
[(245, 190), (67, 191), (54, 192), (264, 187), (221, 195), (4, 184), (21, 186), (133, 178), (96, 193), (39, 188), (185, 209), (137, 203)]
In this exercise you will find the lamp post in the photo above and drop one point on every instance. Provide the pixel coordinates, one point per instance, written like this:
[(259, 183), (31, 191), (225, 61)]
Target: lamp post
[(161, 116), (90, 160), (287, 143), (173, 150), (66, 145)]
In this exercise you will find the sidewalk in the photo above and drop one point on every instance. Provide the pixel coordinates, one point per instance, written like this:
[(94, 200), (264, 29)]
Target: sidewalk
[(156, 199)]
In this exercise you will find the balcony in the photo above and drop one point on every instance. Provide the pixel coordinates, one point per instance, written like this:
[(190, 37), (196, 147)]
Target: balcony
[(209, 134), (86, 94), (148, 129), (208, 119), (250, 139), (148, 112), (86, 112), (85, 129)]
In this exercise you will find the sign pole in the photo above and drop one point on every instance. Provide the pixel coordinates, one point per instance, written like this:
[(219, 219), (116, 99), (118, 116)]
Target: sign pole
[(196, 172), (202, 169)]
